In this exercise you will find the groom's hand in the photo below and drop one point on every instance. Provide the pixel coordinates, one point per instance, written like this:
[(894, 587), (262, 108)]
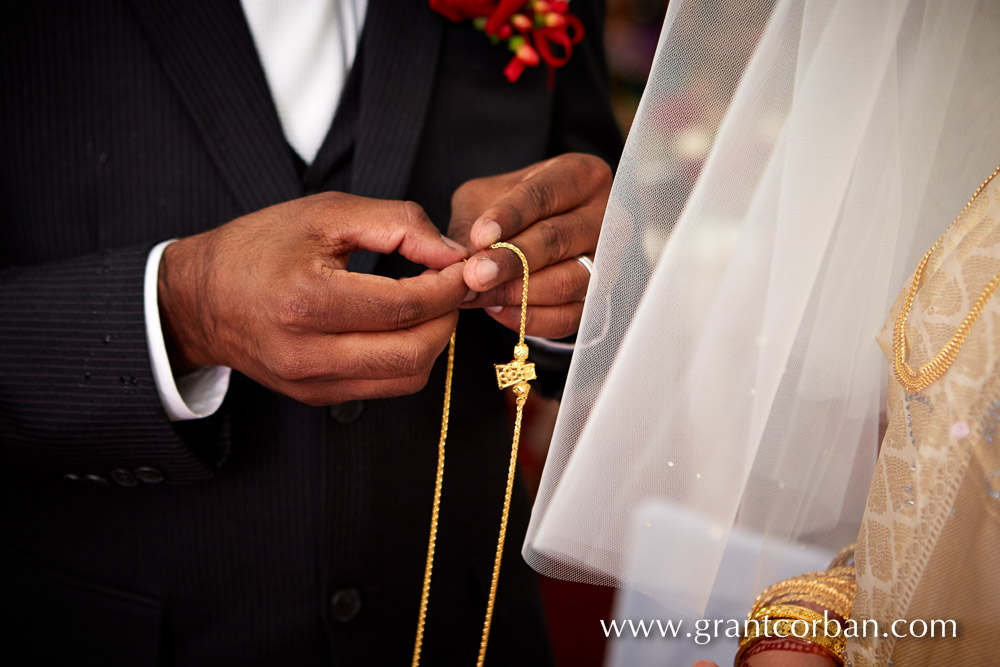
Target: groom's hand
[(552, 211), (268, 294)]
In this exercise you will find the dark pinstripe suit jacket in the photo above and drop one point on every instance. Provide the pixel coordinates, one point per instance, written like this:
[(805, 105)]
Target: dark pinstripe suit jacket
[(271, 533)]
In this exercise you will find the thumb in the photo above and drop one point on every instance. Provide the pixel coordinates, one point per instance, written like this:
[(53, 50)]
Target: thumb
[(400, 226)]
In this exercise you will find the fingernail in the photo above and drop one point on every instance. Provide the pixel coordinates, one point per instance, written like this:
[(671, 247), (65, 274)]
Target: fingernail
[(494, 309), (451, 244), (470, 296), (486, 271), (489, 233)]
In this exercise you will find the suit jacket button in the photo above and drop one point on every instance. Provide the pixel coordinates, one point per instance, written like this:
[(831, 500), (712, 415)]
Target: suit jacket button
[(124, 477), (347, 412), (97, 479), (345, 604), (149, 475)]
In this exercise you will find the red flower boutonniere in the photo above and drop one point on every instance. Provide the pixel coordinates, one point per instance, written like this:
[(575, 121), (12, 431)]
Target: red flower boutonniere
[(534, 30)]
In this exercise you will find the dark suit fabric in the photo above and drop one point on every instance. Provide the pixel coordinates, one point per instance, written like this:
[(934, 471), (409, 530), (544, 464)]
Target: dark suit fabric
[(281, 533)]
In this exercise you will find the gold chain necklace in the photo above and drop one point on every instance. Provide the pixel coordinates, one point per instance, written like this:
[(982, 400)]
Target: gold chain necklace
[(918, 379), (514, 374)]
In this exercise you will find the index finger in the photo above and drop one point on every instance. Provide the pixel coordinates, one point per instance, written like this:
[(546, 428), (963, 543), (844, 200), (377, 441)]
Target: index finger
[(553, 187), (345, 301)]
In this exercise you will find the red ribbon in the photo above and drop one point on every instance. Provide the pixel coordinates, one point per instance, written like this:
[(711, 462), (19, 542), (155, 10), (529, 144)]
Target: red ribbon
[(545, 37), (564, 36), (502, 14)]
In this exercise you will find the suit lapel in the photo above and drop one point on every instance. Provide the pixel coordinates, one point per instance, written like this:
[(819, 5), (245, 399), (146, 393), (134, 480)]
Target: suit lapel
[(399, 54), (208, 53)]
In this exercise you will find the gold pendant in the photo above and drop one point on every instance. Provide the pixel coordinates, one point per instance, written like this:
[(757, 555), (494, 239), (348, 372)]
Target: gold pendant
[(517, 373)]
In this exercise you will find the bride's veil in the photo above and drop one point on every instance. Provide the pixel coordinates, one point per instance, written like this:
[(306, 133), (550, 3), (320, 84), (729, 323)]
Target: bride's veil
[(789, 163)]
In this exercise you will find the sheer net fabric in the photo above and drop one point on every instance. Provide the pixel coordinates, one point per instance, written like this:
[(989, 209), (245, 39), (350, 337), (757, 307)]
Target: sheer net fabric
[(789, 164)]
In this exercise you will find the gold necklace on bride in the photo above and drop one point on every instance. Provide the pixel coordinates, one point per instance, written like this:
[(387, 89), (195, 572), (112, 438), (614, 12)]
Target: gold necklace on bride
[(918, 379), (515, 374)]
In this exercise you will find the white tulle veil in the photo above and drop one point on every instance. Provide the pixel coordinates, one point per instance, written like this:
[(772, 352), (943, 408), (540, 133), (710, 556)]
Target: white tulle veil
[(789, 163)]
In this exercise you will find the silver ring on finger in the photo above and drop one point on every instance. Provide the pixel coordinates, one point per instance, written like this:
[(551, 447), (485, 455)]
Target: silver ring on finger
[(587, 263)]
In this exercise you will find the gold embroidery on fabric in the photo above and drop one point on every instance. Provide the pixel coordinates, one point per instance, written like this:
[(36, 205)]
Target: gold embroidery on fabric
[(876, 496), (924, 449)]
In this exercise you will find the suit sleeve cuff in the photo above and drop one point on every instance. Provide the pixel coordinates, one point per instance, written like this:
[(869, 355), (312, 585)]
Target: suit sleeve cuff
[(194, 395)]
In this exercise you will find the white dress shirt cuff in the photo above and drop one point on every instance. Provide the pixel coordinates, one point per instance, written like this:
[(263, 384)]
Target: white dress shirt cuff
[(194, 395), (551, 345)]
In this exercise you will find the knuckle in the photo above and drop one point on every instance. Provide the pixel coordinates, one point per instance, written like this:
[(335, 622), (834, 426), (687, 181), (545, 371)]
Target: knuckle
[(407, 311), (406, 360), (414, 214), (566, 287), (414, 383), (312, 397), (294, 312), (382, 390), (420, 359), (539, 193), (399, 387), (296, 305), (320, 199), (598, 170), (591, 166), (466, 191), (460, 193), (328, 197), (323, 204), (290, 367), (554, 240)]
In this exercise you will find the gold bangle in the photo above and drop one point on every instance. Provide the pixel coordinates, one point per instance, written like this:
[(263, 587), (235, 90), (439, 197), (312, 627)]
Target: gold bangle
[(796, 613), (841, 596), (792, 611), (840, 581), (838, 607), (838, 571), (825, 596), (778, 609), (833, 591)]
